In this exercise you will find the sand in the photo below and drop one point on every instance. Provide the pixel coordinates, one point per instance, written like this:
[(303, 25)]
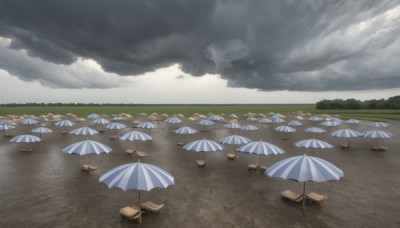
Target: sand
[(47, 188)]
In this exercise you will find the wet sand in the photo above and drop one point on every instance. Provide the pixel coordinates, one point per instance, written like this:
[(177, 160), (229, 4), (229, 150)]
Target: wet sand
[(47, 188)]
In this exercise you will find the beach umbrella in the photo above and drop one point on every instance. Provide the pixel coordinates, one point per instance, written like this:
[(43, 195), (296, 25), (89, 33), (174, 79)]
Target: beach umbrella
[(216, 118), (185, 130), (119, 118), (305, 169), (346, 133), (173, 120), (315, 118), (232, 125), (100, 121), (294, 123), (29, 122), (312, 143), (378, 124), (265, 120), (352, 121), (6, 127), (331, 123), (206, 122), (314, 130), (137, 176), (87, 147), (277, 115), (135, 136), (377, 135), (84, 131), (235, 140), (336, 119), (93, 116), (65, 123), (277, 120), (26, 139), (42, 130), (252, 119), (249, 128), (261, 148), (285, 129), (148, 125), (203, 145)]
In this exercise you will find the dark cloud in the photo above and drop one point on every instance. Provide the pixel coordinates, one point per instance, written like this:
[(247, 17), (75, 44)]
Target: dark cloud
[(308, 45)]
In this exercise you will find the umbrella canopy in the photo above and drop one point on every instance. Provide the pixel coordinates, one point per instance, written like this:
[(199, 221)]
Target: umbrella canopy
[(139, 176), (294, 123), (148, 125), (235, 140), (42, 130), (25, 139), (315, 118), (206, 122), (249, 128), (87, 147), (252, 119), (173, 120), (331, 123), (65, 123), (101, 121), (185, 130), (284, 128), (261, 148), (352, 121), (6, 127), (378, 124), (232, 125), (216, 118), (305, 169), (84, 131), (93, 116), (277, 120), (314, 130), (265, 120), (312, 143), (135, 136), (115, 126), (346, 133), (203, 145), (377, 135), (120, 118), (29, 122)]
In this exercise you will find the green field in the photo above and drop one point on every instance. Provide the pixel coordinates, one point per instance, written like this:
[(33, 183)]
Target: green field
[(370, 114)]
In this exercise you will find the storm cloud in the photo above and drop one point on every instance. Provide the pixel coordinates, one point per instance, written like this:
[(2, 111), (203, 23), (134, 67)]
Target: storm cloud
[(307, 45)]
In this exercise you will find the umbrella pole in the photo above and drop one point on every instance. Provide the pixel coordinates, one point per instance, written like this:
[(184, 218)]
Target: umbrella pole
[(259, 161), (140, 210), (313, 151), (348, 143), (204, 156), (89, 161), (377, 142), (135, 145), (304, 195)]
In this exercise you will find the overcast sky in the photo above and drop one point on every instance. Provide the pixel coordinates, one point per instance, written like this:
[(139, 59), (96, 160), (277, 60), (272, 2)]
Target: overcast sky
[(209, 51)]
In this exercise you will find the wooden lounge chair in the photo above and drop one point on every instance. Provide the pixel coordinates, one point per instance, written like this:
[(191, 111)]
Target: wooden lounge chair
[(252, 167), (315, 197), (64, 132), (26, 150), (150, 206), (129, 151), (88, 167), (141, 154), (289, 195), (201, 163), (379, 148), (114, 137), (345, 147), (263, 168), (232, 156), (180, 144), (131, 213), (8, 135)]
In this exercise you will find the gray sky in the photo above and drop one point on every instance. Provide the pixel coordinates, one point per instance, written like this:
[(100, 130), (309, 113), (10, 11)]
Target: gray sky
[(207, 51)]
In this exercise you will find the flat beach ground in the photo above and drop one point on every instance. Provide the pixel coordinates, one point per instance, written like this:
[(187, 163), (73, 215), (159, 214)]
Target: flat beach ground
[(47, 188)]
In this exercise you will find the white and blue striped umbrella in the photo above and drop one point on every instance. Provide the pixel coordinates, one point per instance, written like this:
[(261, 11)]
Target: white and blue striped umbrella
[(185, 130), (313, 143), (249, 128), (315, 118), (6, 127), (305, 169), (216, 118), (378, 124), (377, 134), (42, 130), (173, 120), (101, 121), (277, 115), (284, 128), (93, 116), (232, 125), (138, 176), (336, 119), (7, 122), (346, 133), (314, 130), (252, 119), (235, 140), (115, 126), (277, 120), (203, 145), (265, 120), (84, 131), (25, 139), (119, 118), (261, 148), (331, 123), (205, 122), (87, 147), (295, 123), (147, 125), (352, 121), (135, 136), (29, 122), (65, 123)]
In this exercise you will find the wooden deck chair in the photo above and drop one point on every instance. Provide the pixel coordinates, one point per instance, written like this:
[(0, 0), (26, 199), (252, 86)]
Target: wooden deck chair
[(180, 144), (26, 150), (150, 206), (315, 197), (252, 167), (132, 213), (88, 167), (231, 156), (263, 168), (141, 154), (129, 151), (345, 147), (288, 194)]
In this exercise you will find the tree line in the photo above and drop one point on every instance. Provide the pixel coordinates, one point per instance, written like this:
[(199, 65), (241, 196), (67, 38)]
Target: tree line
[(390, 103)]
